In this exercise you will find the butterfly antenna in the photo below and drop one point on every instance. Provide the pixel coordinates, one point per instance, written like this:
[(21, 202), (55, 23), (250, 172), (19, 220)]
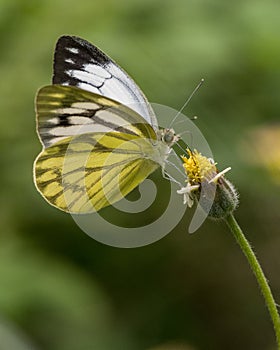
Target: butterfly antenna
[(181, 148), (188, 100)]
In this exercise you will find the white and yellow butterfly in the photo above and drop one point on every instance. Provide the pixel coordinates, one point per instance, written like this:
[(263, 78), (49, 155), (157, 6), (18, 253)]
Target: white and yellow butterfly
[(99, 134)]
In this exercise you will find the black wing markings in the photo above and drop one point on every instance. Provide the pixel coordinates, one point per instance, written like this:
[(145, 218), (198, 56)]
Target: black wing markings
[(79, 63)]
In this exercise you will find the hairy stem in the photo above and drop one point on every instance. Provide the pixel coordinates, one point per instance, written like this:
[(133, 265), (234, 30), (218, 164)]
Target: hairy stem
[(256, 267)]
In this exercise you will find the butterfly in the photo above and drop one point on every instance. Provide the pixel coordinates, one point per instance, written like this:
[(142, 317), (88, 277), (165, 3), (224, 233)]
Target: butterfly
[(99, 134)]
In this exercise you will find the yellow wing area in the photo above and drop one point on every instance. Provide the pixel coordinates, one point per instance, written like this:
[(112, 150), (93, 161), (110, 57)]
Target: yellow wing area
[(88, 172)]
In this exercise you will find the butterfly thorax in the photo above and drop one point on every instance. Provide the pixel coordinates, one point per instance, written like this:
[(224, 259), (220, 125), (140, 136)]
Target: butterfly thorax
[(166, 139)]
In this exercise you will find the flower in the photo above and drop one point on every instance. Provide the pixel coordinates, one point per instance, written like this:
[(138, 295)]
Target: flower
[(207, 185), (187, 193)]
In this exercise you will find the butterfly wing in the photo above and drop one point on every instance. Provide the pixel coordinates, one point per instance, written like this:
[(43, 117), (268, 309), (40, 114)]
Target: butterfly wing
[(81, 169), (64, 111), (79, 63), (89, 172)]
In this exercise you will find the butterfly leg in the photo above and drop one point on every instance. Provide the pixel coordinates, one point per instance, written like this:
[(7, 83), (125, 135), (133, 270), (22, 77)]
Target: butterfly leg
[(167, 176), (171, 169)]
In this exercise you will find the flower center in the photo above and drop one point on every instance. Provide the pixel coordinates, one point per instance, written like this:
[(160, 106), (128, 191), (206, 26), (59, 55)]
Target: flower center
[(197, 167)]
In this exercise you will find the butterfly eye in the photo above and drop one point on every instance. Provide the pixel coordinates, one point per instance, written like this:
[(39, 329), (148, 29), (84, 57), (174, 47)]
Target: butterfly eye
[(168, 136)]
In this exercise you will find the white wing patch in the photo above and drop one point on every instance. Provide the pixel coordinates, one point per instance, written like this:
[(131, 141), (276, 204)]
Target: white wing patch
[(86, 77), (85, 105), (74, 130), (69, 60), (78, 120), (108, 117), (74, 110), (87, 87), (53, 121), (72, 49), (96, 70)]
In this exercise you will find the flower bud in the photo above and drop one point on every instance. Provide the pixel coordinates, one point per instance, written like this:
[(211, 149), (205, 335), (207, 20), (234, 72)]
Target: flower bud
[(225, 199)]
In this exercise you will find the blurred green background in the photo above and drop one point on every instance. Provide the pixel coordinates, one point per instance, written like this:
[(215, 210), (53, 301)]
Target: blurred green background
[(60, 289)]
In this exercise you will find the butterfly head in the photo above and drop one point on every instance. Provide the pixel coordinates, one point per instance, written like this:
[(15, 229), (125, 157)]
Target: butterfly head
[(168, 137)]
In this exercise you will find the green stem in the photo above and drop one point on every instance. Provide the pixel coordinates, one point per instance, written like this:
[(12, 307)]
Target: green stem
[(256, 267)]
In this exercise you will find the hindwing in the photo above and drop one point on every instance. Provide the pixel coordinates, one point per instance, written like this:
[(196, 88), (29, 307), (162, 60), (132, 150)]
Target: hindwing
[(89, 172)]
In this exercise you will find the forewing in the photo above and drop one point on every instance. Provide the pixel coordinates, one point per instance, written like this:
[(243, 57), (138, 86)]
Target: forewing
[(65, 111), (79, 63), (86, 173)]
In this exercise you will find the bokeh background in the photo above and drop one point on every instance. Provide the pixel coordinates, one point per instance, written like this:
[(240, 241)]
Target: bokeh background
[(60, 289)]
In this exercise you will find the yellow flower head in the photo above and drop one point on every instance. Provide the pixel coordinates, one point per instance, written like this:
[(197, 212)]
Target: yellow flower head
[(198, 168), (219, 196)]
